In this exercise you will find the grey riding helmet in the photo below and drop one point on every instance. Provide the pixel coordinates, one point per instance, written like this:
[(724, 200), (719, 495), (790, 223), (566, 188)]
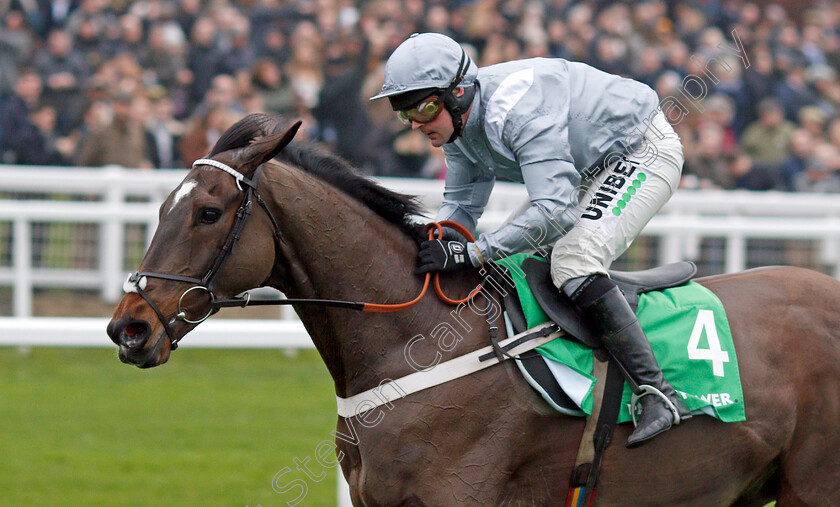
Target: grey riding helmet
[(426, 64)]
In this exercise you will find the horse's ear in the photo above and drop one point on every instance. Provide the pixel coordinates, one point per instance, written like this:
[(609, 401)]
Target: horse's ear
[(266, 148)]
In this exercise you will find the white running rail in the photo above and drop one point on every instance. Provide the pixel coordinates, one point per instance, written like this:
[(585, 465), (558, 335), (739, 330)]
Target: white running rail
[(688, 217)]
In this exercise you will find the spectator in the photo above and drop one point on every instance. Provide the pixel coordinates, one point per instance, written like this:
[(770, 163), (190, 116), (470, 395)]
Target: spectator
[(42, 145), (269, 82), (164, 56), (64, 72), (305, 66), (834, 132), (822, 174), (15, 116), (93, 49), (802, 145), (340, 111), (273, 46), (676, 57), (96, 10), (759, 81), (812, 119), (89, 41), (202, 132), (793, 90), (121, 142), (56, 14), (729, 72), (707, 167), (163, 131), (747, 175), (241, 54), (223, 93), (825, 83), (649, 66), (16, 45), (204, 58), (768, 139), (720, 110), (188, 14), (130, 37), (811, 45)]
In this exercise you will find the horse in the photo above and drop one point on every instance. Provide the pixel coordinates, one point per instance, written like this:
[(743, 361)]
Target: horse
[(323, 231)]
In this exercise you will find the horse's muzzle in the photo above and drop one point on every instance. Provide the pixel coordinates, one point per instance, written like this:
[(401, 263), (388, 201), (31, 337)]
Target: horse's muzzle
[(132, 336)]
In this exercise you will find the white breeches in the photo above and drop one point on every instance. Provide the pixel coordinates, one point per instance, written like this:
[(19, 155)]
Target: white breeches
[(618, 202)]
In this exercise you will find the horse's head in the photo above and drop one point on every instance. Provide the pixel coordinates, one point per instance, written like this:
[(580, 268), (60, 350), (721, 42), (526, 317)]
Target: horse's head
[(201, 251)]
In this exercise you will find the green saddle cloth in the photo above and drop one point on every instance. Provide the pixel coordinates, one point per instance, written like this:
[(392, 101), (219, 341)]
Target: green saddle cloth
[(690, 337)]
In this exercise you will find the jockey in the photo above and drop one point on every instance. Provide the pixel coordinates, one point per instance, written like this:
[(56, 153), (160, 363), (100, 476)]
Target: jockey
[(595, 153)]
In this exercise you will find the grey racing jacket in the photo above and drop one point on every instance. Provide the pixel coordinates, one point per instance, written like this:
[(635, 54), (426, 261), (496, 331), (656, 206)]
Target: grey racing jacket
[(547, 123)]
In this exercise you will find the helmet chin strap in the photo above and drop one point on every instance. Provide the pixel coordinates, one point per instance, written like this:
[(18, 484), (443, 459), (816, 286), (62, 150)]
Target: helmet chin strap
[(457, 106), (457, 125)]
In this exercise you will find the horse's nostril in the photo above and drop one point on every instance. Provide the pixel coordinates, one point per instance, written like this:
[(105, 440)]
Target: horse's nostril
[(134, 328), (133, 334)]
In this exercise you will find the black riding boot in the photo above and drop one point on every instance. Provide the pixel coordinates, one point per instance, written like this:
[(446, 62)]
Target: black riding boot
[(623, 337)]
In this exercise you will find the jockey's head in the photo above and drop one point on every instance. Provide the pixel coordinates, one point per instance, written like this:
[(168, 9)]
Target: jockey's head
[(429, 64)]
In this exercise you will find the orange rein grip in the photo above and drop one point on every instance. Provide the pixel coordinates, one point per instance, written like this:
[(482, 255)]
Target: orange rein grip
[(432, 228), (460, 229), (378, 308)]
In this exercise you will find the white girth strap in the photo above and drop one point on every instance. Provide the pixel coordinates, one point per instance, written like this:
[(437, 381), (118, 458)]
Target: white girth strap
[(441, 373), (224, 167)]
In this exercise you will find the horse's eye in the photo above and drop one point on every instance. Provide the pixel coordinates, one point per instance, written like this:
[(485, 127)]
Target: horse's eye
[(210, 215)]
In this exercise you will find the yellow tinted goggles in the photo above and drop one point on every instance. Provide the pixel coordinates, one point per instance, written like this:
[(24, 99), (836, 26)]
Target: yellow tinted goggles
[(423, 112)]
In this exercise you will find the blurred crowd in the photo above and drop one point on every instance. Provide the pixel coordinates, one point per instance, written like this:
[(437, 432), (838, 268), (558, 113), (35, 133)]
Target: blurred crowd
[(153, 83)]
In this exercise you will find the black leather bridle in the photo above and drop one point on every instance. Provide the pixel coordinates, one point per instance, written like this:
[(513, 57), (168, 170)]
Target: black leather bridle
[(136, 282)]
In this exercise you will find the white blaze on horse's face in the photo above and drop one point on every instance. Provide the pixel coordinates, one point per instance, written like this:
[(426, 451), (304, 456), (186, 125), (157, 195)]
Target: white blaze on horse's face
[(184, 190)]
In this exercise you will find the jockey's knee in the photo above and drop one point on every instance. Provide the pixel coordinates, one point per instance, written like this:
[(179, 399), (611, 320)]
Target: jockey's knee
[(569, 268)]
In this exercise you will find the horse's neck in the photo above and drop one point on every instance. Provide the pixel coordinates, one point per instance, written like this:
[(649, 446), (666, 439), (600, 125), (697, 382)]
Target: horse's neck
[(336, 248)]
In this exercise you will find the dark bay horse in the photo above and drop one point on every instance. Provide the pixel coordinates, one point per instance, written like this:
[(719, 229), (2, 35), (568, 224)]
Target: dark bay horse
[(485, 439)]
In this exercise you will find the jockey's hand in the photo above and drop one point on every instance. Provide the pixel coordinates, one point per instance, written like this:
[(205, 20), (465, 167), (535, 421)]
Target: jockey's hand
[(441, 255)]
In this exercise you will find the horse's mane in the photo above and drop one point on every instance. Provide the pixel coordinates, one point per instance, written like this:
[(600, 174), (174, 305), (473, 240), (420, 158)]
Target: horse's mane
[(396, 208)]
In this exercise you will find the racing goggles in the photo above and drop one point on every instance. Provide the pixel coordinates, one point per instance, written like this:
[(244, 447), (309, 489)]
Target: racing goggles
[(424, 112)]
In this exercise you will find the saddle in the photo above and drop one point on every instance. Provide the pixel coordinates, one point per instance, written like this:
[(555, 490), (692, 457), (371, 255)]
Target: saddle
[(564, 313)]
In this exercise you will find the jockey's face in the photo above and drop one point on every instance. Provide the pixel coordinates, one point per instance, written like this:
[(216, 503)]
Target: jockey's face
[(440, 129)]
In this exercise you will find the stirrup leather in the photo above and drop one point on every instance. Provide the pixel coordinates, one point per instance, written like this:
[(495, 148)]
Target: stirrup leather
[(647, 390)]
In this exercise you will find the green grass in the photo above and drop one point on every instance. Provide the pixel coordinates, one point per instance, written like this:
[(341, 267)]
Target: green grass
[(211, 427)]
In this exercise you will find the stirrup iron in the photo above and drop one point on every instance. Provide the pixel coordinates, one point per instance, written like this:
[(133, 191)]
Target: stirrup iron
[(647, 390)]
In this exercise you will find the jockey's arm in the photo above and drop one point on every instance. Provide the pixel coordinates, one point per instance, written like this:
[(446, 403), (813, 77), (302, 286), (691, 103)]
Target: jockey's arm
[(541, 149), (466, 192)]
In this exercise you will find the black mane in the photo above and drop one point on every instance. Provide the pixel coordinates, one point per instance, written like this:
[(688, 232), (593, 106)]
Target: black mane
[(396, 208)]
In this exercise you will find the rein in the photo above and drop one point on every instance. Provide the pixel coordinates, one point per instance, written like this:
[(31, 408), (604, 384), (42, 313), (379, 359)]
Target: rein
[(136, 281), (245, 300)]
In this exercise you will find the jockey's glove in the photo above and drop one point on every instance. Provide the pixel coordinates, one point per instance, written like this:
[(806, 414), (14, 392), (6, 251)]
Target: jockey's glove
[(441, 255)]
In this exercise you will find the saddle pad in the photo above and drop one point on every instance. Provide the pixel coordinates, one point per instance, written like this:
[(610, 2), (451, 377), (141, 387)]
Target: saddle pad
[(690, 337)]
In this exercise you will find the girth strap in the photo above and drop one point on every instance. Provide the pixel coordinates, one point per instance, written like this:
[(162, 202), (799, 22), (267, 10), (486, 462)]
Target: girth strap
[(598, 433), (445, 371)]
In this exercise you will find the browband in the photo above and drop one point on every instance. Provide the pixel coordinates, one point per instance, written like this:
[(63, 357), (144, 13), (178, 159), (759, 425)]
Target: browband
[(226, 168)]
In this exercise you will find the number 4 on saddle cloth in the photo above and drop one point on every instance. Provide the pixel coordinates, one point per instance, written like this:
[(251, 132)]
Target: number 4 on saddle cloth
[(685, 323)]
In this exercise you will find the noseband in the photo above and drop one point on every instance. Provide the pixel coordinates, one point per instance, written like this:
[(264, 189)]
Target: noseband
[(137, 280)]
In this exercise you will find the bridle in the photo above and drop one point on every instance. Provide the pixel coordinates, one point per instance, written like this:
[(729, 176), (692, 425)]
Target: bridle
[(136, 281)]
